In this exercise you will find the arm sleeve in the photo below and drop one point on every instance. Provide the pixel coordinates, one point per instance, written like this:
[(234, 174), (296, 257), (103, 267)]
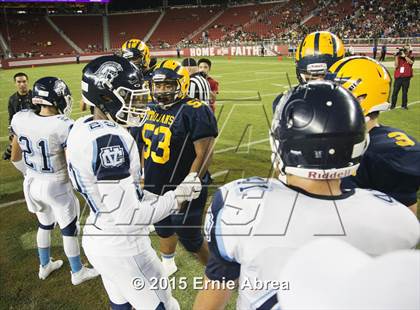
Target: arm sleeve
[(222, 264), (64, 130), (216, 87), (191, 90), (11, 109), (202, 123), (136, 134), (12, 124)]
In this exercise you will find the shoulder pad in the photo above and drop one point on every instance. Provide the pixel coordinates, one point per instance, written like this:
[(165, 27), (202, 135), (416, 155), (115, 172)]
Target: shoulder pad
[(195, 103)]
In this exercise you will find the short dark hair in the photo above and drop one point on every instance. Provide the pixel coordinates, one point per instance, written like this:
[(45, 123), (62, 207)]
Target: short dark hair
[(205, 60), (19, 74), (189, 62), (373, 115)]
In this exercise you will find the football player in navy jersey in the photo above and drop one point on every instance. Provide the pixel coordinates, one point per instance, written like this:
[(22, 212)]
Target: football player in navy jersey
[(178, 136), (391, 163), (317, 52)]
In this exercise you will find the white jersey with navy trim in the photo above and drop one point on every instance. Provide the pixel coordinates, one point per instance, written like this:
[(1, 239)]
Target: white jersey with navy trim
[(43, 140), (255, 224), (104, 167)]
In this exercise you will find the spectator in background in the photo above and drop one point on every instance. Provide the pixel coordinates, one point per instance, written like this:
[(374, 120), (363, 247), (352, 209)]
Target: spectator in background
[(204, 66), (383, 52), (199, 87), (262, 48), (20, 100), (375, 48), (403, 62), (351, 50)]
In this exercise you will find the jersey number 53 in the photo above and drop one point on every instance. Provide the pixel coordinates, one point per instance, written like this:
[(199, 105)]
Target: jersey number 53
[(162, 152)]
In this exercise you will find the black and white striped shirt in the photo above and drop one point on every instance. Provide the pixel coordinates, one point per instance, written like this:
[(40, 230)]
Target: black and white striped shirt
[(199, 88)]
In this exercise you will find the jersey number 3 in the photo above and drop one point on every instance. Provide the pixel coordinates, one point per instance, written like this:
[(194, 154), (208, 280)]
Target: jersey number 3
[(164, 135), (401, 139)]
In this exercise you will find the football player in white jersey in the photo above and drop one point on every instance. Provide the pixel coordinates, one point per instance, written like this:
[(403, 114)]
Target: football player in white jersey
[(330, 274), (318, 136), (40, 138), (104, 165)]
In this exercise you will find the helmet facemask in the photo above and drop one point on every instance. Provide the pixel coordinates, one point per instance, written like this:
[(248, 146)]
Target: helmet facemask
[(133, 111), (69, 105), (165, 91)]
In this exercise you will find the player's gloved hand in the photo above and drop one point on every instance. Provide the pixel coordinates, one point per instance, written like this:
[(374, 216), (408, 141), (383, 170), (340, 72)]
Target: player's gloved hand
[(189, 189)]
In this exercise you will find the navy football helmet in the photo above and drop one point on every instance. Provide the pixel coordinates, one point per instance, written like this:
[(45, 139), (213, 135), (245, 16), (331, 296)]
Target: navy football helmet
[(116, 87), (318, 132), (52, 91)]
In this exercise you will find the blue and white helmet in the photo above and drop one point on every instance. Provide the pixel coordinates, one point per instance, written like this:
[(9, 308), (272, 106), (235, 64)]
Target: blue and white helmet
[(117, 88), (52, 91)]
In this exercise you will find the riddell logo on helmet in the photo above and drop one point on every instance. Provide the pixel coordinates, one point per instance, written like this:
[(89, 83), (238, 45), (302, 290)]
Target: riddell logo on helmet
[(328, 175)]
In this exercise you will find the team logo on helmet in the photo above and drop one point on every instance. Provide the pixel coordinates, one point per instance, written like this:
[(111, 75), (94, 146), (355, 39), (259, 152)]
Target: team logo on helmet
[(106, 73), (60, 88)]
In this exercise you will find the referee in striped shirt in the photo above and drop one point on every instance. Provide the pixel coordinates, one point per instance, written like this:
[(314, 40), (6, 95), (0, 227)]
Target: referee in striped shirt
[(199, 87)]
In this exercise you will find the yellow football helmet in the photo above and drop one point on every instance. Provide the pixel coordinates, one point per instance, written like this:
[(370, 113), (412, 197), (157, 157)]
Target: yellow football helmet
[(137, 52), (316, 53), (367, 79), (169, 72)]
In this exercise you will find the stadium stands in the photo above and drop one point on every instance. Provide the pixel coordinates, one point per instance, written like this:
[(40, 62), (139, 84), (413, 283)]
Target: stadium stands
[(32, 35), (123, 27), (256, 22), (233, 18), (184, 20), (85, 31)]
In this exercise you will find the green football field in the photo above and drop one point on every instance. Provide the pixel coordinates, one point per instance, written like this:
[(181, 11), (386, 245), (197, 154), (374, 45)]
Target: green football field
[(248, 87)]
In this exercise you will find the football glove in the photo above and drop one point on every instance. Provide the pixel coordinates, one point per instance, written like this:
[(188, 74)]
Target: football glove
[(189, 189)]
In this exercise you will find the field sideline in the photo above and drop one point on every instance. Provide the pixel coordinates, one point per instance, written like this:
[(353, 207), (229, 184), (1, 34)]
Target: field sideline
[(242, 150)]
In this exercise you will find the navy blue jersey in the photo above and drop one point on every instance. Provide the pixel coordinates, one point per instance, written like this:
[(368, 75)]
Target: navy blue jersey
[(136, 134), (391, 165), (168, 137)]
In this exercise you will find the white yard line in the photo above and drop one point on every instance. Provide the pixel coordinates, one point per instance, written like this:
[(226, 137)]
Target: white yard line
[(11, 203), (5, 138), (232, 148)]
